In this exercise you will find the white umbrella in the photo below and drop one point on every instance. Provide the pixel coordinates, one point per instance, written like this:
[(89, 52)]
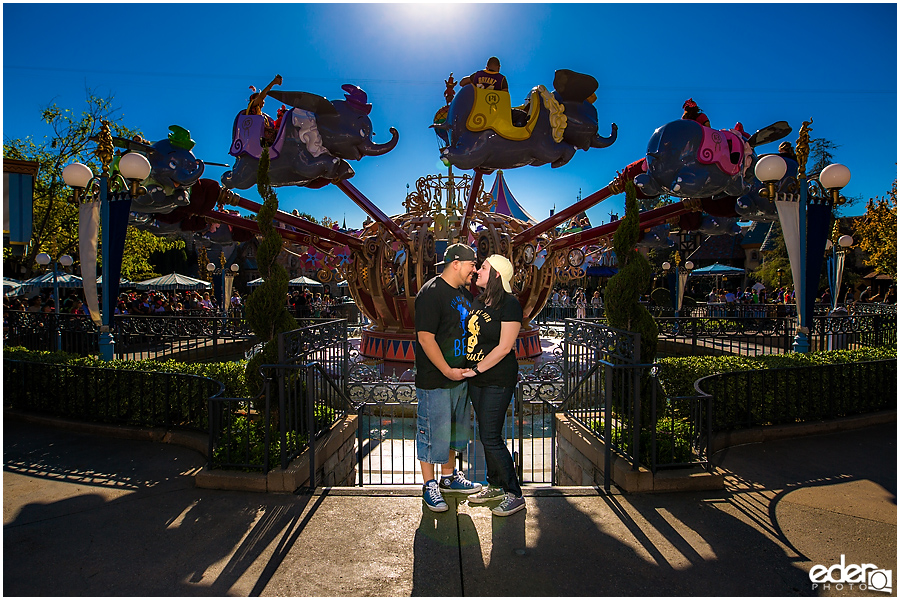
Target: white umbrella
[(301, 281), (758, 286), (175, 281)]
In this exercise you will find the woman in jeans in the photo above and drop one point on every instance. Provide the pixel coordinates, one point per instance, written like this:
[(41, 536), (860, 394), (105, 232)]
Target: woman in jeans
[(493, 326)]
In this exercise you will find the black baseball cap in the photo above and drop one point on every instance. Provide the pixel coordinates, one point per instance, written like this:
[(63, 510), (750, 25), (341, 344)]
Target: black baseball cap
[(457, 252)]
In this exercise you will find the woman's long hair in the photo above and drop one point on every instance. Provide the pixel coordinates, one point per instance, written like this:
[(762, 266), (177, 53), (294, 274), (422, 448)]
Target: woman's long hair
[(494, 295)]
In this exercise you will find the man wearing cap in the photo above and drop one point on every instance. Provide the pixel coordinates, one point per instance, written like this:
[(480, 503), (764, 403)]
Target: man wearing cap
[(443, 411)]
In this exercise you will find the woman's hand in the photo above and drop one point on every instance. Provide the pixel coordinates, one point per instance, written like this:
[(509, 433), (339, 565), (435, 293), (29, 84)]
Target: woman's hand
[(469, 373)]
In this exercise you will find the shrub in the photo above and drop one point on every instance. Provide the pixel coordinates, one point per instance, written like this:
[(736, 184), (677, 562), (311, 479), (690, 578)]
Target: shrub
[(230, 374)]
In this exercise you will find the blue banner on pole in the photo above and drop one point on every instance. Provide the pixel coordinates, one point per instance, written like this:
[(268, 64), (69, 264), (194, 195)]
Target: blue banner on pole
[(119, 209)]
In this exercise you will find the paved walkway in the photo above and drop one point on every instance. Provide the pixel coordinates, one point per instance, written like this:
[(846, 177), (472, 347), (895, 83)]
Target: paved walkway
[(92, 516)]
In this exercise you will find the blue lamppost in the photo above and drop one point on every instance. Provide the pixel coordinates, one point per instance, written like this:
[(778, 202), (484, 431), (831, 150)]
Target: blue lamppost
[(804, 209), (133, 168), (65, 260)]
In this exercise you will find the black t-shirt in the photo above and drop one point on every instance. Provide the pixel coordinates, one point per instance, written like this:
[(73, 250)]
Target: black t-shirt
[(483, 326), (441, 309)]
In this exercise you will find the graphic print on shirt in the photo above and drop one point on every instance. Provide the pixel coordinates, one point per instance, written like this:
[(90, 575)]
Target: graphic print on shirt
[(461, 305), (474, 332)]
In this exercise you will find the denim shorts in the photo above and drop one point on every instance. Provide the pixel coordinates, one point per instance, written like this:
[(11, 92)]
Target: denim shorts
[(444, 421)]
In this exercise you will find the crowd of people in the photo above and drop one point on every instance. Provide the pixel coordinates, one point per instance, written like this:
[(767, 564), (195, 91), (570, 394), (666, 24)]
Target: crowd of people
[(128, 303)]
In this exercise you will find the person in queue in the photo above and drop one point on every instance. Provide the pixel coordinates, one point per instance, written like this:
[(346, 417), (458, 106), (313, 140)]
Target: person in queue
[(443, 411), (493, 326)]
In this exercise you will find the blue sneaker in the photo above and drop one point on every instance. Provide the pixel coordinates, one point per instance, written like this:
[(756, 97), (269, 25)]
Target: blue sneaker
[(431, 496), (458, 484)]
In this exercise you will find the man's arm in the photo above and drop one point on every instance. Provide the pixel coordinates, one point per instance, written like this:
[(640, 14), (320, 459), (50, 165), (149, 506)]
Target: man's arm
[(433, 352), (259, 100)]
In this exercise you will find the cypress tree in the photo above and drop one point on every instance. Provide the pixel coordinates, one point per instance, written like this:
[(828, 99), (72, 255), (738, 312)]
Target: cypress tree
[(266, 310), (623, 309)]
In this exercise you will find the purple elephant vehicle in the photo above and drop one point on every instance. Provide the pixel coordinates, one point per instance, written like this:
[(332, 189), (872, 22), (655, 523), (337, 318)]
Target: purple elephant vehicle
[(483, 131), (687, 160), (313, 141)]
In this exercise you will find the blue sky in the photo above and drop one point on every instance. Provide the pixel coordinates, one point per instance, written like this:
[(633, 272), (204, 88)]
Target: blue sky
[(191, 65)]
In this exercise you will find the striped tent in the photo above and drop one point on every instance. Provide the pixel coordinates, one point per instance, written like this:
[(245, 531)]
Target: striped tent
[(11, 287), (122, 282), (64, 280), (505, 203), (296, 282), (175, 281)]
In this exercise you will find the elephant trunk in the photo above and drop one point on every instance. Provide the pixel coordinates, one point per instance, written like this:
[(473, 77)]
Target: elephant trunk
[(370, 149), (605, 142)]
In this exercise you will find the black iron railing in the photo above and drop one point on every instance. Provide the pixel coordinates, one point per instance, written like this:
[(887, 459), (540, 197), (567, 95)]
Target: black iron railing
[(113, 396), (746, 399), (188, 338)]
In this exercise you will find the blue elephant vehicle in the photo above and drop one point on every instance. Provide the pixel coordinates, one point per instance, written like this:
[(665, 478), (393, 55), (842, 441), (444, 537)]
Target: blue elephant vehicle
[(483, 131), (173, 171), (313, 141)]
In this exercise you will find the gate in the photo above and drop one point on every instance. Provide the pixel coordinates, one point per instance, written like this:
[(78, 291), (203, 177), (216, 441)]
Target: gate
[(387, 429)]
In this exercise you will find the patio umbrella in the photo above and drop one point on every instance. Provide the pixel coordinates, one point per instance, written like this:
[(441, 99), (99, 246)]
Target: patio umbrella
[(256, 282), (717, 270), (758, 286), (305, 281), (11, 287), (122, 282), (343, 284), (64, 280), (175, 281)]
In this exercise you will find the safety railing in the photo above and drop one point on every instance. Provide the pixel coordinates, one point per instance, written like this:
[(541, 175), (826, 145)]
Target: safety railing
[(745, 399), (110, 396)]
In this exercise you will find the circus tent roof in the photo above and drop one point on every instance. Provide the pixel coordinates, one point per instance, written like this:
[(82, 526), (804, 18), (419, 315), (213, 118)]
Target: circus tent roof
[(505, 203)]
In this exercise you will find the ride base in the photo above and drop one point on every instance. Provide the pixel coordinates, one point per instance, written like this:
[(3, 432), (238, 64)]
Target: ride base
[(397, 350)]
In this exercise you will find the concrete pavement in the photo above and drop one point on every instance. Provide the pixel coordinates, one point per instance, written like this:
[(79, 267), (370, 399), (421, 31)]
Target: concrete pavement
[(92, 516)]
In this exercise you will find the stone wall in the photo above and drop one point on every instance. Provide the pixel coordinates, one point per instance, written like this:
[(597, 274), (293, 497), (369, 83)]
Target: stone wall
[(580, 460)]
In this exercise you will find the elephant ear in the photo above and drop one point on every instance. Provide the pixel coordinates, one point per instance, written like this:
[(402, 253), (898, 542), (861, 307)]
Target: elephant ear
[(305, 101), (131, 145), (572, 86), (773, 132)]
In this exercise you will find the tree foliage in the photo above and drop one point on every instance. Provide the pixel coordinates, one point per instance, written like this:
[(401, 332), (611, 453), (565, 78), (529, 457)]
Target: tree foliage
[(624, 288), (876, 233), (266, 313), (55, 225)]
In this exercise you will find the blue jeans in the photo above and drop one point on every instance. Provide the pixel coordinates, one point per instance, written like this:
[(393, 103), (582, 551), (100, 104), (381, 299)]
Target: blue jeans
[(490, 405), (443, 421)]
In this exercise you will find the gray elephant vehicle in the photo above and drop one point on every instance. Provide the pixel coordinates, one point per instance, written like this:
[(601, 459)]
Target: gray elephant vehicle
[(483, 131), (313, 140), (173, 170)]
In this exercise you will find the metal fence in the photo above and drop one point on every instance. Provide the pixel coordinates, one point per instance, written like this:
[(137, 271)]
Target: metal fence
[(187, 338), (302, 397), (113, 396), (751, 336), (387, 428), (745, 399)]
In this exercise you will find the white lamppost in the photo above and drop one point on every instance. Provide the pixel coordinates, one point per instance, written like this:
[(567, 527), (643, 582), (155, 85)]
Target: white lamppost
[(227, 276), (133, 168), (794, 206), (65, 260), (681, 275)]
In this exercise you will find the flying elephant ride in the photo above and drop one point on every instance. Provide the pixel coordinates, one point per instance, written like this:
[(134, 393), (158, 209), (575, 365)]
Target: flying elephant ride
[(313, 141)]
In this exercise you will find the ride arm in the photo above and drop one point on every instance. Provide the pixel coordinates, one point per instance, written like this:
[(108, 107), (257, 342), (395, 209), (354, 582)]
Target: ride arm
[(616, 186), (470, 205), (338, 237), (305, 239), (372, 210)]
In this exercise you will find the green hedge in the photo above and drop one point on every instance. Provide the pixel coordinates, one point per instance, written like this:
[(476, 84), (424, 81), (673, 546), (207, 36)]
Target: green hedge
[(677, 375), (230, 374)]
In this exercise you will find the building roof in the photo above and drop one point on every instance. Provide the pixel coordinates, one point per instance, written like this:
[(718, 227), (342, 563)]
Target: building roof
[(768, 243), (723, 249), (756, 234)]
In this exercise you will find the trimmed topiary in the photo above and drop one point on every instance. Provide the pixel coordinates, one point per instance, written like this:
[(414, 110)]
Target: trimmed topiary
[(624, 288), (267, 314)]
